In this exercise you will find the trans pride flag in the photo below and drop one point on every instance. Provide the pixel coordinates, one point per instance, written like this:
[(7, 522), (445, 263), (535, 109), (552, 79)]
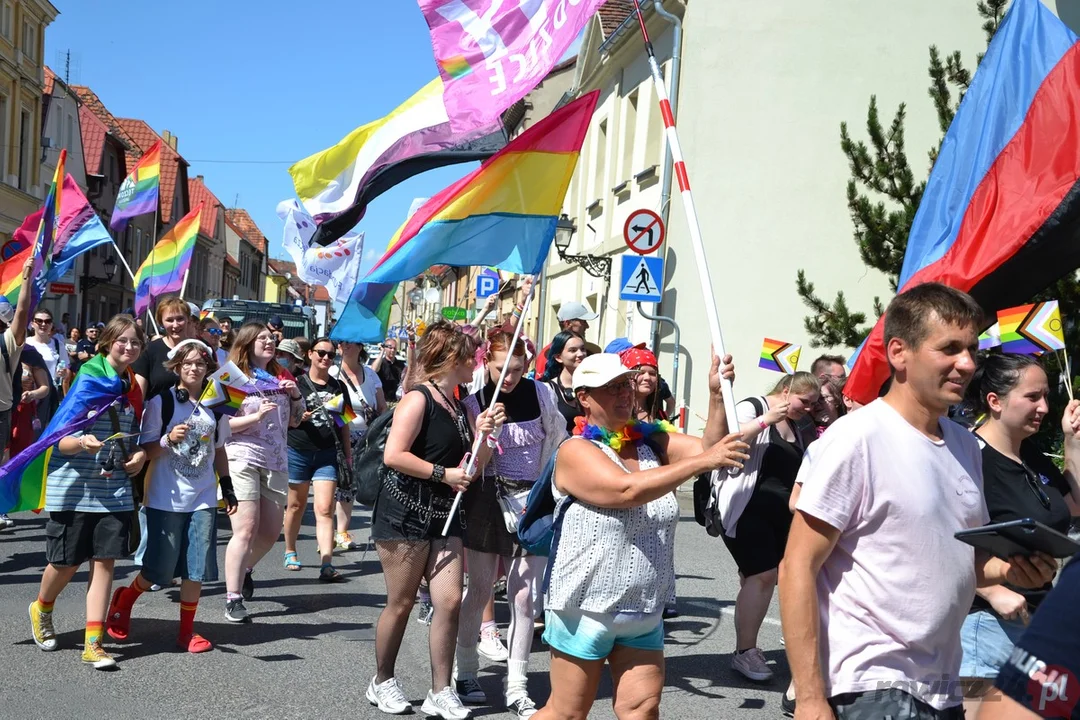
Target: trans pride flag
[(139, 191), (1000, 216), (164, 268)]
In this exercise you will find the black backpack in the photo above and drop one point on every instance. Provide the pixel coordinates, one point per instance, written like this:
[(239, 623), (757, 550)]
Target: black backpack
[(368, 467)]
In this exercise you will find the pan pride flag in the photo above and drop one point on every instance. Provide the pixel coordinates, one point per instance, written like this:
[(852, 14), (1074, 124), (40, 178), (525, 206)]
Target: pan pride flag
[(139, 191), (780, 356), (502, 214), (164, 268), (999, 216), (1032, 329)]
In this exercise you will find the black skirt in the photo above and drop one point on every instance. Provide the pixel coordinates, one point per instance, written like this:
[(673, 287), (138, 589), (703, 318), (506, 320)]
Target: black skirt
[(413, 510), (485, 529)]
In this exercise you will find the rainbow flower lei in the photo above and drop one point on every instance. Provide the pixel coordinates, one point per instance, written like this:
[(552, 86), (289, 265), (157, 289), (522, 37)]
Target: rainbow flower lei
[(634, 432)]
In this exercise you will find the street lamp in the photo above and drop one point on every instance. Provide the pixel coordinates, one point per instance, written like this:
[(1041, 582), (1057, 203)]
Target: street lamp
[(596, 265), (109, 264)]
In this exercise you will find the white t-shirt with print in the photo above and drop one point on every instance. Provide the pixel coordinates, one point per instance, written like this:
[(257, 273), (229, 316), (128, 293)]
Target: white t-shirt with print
[(50, 352), (371, 385), (183, 478), (894, 593)]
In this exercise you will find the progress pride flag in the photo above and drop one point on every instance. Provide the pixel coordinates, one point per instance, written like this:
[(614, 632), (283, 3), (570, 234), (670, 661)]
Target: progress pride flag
[(490, 53)]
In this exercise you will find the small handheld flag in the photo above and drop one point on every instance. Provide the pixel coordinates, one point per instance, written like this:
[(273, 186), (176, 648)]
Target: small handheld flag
[(1032, 329), (779, 356), (991, 338), (221, 398), (342, 411)]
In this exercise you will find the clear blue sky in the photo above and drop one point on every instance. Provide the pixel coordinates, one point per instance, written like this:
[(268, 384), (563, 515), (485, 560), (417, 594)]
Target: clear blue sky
[(266, 80)]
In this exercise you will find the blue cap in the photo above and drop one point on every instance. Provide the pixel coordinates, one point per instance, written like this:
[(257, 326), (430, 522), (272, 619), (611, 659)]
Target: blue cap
[(621, 345), (275, 322)]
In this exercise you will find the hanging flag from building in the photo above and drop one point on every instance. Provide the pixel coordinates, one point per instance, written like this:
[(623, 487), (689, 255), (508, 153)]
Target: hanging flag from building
[(491, 53), (95, 388), (336, 185), (163, 270), (998, 216), (335, 266), (1032, 329), (139, 192), (504, 213), (779, 356)]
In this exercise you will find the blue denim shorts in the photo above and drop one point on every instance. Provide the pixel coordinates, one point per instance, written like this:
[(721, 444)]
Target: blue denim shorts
[(180, 544), (306, 466), (987, 641), (592, 636)]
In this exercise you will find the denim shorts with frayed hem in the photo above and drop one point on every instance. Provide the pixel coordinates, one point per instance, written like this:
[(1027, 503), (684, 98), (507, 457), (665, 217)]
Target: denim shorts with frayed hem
[(305, 467)]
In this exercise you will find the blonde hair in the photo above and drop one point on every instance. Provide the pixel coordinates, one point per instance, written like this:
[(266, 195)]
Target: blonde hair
[(797, 384)]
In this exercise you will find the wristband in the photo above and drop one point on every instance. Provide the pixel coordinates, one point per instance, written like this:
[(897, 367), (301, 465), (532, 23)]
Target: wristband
[(762, 424), (492, 442), (438, 473)]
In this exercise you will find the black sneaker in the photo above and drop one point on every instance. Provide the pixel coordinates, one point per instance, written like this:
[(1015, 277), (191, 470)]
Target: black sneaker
[(469, 691), (248, 590), (787, 705), (235, 611)]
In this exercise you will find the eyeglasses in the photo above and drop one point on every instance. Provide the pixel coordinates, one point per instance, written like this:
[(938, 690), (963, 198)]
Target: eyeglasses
[(197, 364), (619, 387), (1036, 487), (325, 353), (214, 332), (128, 343), (42, 321), (266, 341)]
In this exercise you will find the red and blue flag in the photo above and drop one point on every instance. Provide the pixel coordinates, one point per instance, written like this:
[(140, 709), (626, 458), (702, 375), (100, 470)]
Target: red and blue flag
[(1000, 216)]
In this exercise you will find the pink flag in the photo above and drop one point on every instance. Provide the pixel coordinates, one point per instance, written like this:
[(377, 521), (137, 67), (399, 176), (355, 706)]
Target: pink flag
[(490, 53)]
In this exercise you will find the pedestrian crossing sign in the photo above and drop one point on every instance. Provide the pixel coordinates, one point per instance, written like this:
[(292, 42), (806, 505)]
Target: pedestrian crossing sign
[(642, 278)]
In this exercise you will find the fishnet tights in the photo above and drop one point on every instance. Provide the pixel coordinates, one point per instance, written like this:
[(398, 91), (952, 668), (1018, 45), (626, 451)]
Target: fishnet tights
[(405, 563)]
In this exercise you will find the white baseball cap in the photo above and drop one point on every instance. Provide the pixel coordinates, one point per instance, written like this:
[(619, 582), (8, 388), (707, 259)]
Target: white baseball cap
[(576, 311), (598, 370)]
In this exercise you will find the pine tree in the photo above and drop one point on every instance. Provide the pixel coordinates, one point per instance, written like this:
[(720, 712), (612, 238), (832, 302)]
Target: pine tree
[(883, 196)]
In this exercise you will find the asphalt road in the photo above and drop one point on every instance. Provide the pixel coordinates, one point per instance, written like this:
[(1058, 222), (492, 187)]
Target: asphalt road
[(309, 651)]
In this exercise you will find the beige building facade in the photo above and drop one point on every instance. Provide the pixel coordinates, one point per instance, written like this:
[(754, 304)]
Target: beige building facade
[(763, 90), (22, 80)]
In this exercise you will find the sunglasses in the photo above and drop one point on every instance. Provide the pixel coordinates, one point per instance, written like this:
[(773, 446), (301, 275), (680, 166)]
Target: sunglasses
[(42, 321), (325, 353), (214, 332)]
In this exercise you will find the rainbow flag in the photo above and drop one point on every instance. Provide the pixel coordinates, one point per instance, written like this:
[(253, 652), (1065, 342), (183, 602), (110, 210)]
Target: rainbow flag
[(164, 268), (11, 277), (504, 213), (45, 240), (990, 338), (1032, 329), (23, 478), (779, 356), (139, 191), (343, 412), (221, 398)]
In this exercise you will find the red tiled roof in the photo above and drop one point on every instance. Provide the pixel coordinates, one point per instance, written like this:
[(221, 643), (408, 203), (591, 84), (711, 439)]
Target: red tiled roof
[(144, 137), (93, 132), (612, 14), (50, 78), (243, 224), (199, 193), (90, 99), (321, 294)]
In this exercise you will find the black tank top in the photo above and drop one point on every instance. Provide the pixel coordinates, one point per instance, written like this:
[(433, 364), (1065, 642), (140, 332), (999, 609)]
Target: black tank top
[(567, 402), (780, 466), (442, 440)]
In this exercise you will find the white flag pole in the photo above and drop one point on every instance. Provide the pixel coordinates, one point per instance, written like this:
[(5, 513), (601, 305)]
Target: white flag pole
[(131, 275), (690, 209), (470, 468)]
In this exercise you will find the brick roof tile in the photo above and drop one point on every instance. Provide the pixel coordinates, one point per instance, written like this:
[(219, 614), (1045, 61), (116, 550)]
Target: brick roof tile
[(243, 224), (50, 80), (93, 132), (612, 14), (199, 193)]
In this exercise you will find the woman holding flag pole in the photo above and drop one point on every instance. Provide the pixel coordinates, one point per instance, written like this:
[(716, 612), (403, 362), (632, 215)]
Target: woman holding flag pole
[(426, 454)]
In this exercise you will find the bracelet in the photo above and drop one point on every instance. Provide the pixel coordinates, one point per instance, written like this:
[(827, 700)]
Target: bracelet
[(762, 424), (438, 473), (492, 442)]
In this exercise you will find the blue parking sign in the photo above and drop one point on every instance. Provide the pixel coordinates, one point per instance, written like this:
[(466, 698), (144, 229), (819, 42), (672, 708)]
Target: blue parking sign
[(486, 285)]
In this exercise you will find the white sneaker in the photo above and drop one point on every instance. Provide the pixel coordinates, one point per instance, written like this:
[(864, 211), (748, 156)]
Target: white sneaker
[(6, 522), (446, 704), (388, 697), (521, 706), (752, 665), (491, 646)]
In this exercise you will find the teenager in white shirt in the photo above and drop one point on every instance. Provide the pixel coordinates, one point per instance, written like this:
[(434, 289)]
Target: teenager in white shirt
[(874, 588)]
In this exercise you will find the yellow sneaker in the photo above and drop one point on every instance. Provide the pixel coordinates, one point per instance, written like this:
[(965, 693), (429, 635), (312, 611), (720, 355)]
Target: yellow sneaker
[(96, 656), (42, 628), (343, 541)]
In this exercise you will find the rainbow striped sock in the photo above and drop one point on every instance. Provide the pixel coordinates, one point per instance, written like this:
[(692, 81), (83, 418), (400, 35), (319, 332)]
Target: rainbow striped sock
[(93, 632)]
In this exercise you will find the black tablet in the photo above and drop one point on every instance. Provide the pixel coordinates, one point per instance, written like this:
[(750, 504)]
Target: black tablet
[(1019, 537)]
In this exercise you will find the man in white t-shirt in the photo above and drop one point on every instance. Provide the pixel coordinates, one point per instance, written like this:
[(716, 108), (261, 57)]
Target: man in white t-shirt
[(874, 587)]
